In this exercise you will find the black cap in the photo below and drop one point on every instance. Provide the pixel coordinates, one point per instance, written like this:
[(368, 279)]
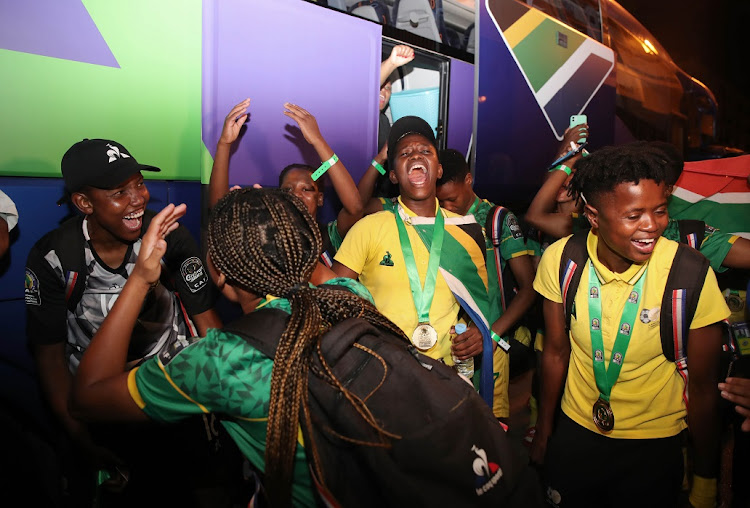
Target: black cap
[(99, 163), (403, 127)]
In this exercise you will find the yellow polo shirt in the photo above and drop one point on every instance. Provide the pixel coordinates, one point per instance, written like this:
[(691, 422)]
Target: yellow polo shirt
[(373, 250), (647, 397)]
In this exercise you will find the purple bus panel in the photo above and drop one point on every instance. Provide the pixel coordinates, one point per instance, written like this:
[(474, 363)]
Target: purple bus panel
[(460, 106), (290, 51)]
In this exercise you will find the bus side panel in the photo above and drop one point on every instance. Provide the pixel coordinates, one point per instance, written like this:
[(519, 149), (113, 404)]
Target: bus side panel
[(460, 106), (512, 134), (324, 61), (526, 95)]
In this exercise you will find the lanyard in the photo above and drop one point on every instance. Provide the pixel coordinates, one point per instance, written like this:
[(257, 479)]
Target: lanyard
[(422, 296), (606, 378)]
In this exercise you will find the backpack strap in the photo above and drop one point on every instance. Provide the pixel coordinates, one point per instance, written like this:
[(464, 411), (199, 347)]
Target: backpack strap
[(692, 232), (680, 300), (572, 263), (261, 329), (493, 229), (69, 245)]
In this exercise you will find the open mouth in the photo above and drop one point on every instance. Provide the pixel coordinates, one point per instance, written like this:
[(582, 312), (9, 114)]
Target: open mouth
[(133, 221), (644, 245), (417, 174)]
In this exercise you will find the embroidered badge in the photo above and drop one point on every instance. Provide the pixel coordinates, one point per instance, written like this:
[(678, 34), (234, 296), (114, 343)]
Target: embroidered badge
[(193, 274), (515, 229), (387, 260), (31, 292)]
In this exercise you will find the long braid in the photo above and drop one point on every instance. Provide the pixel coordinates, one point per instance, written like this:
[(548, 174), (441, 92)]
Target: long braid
[(265, 242)]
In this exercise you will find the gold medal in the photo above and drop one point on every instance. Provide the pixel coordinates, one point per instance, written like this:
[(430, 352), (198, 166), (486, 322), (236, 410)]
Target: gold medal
[(604, 418), (424, 336)]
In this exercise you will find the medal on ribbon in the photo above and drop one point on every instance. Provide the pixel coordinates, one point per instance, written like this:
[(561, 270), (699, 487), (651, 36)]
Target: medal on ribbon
[(606, 377), (604, 418), (424, 336)]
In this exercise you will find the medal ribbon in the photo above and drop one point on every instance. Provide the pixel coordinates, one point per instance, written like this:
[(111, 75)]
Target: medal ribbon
[(606, 378), (422, 295)]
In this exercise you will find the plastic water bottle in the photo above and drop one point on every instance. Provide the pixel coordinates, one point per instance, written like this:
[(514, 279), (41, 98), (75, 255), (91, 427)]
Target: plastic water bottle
[(463, 367)]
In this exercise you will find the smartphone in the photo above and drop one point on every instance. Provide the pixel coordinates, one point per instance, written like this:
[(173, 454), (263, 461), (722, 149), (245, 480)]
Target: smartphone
[(577, 120)]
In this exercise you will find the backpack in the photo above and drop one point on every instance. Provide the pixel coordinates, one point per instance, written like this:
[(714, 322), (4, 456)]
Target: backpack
[(680, 299), (448, 448), (521, 355)]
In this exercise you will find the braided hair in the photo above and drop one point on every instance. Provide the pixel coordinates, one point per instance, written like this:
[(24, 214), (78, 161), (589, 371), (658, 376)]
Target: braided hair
[(601, 171), (265, 242)]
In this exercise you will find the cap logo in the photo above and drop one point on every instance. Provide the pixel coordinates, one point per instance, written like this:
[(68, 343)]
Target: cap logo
[(114, 153)]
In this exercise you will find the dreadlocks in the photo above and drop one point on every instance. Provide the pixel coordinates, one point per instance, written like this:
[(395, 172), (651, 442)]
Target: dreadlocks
[(265, 242), (602, 170)]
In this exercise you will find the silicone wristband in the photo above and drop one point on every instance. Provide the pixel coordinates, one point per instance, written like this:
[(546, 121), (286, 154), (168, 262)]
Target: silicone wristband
[(377, 166), (324, 167), (500, 341), (562, 167)]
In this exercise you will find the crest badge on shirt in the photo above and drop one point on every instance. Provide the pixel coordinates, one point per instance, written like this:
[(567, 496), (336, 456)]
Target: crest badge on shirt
[(31, 292), (194, 274), (514, 227)]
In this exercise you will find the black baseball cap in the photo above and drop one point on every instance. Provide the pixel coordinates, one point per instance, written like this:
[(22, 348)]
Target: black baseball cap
[(403, 127), (99, 163)]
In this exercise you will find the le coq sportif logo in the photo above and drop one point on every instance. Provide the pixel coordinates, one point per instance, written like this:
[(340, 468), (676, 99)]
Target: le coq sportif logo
[(114, 153)]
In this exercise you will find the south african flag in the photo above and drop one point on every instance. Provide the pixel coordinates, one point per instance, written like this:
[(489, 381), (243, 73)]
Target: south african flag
[(715, 191)]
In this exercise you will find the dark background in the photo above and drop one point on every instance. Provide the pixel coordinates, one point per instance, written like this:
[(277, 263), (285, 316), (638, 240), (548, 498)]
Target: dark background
[(709, 41)]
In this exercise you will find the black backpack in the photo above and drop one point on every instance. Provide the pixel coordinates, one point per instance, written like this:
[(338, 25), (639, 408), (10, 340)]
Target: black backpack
[(681, 294), (521, 355), (450, 449)]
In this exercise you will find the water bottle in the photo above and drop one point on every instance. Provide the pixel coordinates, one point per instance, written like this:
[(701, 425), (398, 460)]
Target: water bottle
[(463, 367)]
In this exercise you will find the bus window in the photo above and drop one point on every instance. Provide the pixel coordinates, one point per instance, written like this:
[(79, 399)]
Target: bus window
[(446, 22), (583, 15), (420, 88)]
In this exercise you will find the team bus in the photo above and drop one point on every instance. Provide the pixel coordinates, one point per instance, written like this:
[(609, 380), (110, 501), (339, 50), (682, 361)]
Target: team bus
[(497, 79)]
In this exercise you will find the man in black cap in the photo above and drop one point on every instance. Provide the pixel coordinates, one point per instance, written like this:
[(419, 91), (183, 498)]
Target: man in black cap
[(75, 273), (424, 265)]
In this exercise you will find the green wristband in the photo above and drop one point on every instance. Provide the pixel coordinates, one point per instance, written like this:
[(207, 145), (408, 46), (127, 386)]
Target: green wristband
[(562, 167), (377, 166), (324, 167), (500, 341)]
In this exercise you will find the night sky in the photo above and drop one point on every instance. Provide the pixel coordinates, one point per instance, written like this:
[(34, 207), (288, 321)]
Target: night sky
[(709, 41)]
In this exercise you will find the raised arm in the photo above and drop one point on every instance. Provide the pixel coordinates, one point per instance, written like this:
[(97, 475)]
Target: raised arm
[(218, 184), (100, 388), (366, 188), (400, 55), (340, 178), (542, 212)]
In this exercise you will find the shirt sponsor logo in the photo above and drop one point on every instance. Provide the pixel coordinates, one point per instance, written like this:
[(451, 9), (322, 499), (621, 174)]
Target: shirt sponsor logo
[(31, 292), (194, 274)]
